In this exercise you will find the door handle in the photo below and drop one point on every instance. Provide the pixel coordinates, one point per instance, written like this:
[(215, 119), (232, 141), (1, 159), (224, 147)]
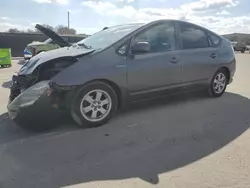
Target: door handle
[(174, 60), (213, 55)]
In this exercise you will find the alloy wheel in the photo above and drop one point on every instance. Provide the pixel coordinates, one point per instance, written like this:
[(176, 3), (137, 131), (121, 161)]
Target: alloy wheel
[(95, 105), (219, 83)]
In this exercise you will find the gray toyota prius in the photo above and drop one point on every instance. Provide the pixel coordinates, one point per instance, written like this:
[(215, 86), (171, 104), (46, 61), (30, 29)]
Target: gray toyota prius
[(92, 79)]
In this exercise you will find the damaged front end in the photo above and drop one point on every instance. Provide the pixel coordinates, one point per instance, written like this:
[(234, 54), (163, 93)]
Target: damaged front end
[(28, 98), (34, 99), (21, 81), (19, 84), (35, 107), (38, 106)]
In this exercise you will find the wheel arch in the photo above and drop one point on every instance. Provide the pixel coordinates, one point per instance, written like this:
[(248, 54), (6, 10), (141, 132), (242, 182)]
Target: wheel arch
[(226, 69), (71, 94), (114, 86)]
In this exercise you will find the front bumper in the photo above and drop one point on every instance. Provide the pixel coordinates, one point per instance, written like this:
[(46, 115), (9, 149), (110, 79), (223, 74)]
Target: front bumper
[(29, 109), (19, 83)]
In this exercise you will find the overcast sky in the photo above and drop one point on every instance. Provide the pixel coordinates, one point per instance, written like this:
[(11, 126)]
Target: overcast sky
[(89, 16)]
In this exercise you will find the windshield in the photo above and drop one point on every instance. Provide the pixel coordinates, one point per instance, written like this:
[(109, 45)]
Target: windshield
[(105, 38)]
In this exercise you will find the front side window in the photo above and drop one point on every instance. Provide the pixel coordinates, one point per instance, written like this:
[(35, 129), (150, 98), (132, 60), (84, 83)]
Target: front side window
[(192, 37), (160, 37)]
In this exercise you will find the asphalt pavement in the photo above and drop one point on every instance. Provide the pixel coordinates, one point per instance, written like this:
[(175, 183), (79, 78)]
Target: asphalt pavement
[(186, 141)]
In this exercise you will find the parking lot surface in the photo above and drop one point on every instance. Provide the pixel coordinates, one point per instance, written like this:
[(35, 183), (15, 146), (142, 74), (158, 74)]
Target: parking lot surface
[(187, 141)]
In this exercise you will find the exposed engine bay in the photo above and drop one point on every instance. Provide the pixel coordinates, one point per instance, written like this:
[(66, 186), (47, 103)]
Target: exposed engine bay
[(44, 71), (33, 90)]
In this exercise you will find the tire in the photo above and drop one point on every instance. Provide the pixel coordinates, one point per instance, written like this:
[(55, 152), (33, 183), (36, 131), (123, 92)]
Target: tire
[(243, 50), (87, 97), (6, 66), (213, 92)]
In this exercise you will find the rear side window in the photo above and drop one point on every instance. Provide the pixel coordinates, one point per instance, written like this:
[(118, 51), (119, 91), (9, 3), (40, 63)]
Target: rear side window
[(213, 39), (192, 37)]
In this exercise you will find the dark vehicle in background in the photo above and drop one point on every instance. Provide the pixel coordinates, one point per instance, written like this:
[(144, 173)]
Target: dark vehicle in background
[(240, 47), (92, 79), (53, 42)]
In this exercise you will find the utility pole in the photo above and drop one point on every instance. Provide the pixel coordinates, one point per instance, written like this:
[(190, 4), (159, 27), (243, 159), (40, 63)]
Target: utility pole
[(68, 20)]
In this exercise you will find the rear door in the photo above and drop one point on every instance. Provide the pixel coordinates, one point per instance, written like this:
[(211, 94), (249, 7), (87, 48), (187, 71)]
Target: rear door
[(198, 56)]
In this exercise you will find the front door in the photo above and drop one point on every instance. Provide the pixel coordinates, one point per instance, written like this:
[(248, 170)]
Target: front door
[(159, 68)]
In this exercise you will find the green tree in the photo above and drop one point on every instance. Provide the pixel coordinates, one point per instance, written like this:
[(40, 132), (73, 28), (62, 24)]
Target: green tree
[(30, 31), (14, 30), (63, 30)]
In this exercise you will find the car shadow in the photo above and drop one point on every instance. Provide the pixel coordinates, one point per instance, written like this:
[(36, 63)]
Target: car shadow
[(143, 141), (9, 131)]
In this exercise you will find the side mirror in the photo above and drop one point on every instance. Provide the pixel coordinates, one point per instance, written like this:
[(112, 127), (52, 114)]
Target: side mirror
[(140, 47)]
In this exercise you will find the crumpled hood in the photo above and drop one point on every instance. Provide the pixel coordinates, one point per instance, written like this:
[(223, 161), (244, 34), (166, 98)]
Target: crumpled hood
[(41, 58)]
